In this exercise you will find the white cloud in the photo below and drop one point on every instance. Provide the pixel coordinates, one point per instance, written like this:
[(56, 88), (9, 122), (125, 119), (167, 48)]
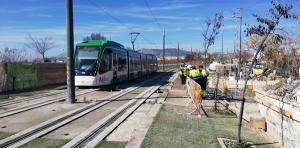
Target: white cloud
[(140, 11), (21, 10), (168, 7)]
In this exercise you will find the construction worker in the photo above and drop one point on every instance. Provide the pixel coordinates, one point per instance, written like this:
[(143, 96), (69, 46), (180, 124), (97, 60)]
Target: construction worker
[(194, 73), (200, 67), (203, 83), (181, 73)]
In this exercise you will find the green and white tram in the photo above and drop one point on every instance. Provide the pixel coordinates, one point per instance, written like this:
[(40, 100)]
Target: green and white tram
[(101, 62)]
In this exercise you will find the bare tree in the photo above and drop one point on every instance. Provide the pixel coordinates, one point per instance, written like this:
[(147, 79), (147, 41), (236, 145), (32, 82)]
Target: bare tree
[(40, 44), (210, 31), (245, 56), (95, 36), (12, 55), (267, 28)]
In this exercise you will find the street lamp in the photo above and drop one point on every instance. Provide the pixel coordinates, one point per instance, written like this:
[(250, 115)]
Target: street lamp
[(133, 36), (238, 15)]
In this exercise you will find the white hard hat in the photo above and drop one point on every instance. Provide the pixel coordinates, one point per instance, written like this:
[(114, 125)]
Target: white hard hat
[(189, 66)]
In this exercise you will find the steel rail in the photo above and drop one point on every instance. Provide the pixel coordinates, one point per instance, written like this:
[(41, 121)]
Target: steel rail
[(39, 104), (97, 132), (23, 99)]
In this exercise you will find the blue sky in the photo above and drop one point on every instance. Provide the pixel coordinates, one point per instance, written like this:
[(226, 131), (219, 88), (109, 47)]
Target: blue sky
[(183, 21)]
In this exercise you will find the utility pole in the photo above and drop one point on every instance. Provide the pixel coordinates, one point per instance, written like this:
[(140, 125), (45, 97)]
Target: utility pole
[(164, 42), (178, 54), (234, 46), (70, 48), (133, 37)]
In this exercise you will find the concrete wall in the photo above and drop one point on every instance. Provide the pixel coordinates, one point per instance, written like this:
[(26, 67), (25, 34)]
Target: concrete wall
[(51, 73)]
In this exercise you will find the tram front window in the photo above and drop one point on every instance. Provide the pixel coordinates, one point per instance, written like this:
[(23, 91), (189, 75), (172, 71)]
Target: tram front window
[(86, 60)]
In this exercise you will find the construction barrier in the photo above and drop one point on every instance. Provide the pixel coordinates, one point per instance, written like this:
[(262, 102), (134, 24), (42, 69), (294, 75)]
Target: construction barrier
[(194, 89)]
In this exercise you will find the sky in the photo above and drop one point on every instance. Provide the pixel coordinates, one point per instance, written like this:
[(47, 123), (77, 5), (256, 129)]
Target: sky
[(183, 21)]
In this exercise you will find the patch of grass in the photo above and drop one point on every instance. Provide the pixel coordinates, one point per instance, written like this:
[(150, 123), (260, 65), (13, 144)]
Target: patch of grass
[(173, 127), (4, 135), (45, 143), (111, 144)]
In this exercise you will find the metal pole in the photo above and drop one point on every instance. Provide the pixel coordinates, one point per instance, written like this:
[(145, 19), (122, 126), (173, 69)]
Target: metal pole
[(234, 46), (164, 41), (133, 38), (70, 48), (133, 45)]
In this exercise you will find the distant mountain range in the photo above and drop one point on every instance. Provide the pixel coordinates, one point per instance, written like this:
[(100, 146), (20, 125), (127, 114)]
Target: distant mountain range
[(169, 52)]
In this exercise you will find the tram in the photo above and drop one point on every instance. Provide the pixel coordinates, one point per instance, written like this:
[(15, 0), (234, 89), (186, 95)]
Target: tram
[(101, 62)]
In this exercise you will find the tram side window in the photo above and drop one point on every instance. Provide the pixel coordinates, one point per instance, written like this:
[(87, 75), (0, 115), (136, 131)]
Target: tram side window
[(106, 62), (135, 64), (121, 62), (131, 64)]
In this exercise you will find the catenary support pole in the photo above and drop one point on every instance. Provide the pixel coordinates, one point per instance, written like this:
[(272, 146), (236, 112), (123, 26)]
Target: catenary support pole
[(70, 48)]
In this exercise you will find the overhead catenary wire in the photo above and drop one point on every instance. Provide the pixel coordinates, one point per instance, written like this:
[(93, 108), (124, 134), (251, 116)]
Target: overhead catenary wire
[(152, 14), (114, 18), (107, 13)]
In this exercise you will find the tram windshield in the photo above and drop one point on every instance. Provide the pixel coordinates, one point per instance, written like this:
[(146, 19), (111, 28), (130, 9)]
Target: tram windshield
[(86, 60)]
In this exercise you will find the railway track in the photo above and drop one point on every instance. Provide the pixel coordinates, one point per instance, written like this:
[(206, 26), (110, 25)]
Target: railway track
[(92, 136), (43, 102), (24, 99), (54, 123), (97, 132)]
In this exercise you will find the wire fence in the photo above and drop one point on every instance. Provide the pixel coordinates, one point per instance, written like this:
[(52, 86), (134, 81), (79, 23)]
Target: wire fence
[(233, 89)]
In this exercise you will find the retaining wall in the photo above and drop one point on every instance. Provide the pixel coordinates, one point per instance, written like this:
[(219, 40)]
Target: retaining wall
[(283, 118)]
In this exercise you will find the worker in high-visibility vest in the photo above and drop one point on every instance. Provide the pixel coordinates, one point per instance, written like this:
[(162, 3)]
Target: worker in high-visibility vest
[(182, 74), (204, 73), (194, 74)]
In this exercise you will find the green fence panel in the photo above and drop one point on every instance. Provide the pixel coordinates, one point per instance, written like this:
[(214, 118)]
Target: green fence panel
[(21, 75)]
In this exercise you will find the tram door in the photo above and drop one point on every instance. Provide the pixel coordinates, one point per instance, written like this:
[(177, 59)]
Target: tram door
[(115, 66)]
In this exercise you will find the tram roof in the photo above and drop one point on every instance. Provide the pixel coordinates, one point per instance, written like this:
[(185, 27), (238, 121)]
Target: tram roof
[(93, 43)]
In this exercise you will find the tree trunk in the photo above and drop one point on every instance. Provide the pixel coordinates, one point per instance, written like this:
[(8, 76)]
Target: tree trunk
[(43, 54), (240, 119)]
